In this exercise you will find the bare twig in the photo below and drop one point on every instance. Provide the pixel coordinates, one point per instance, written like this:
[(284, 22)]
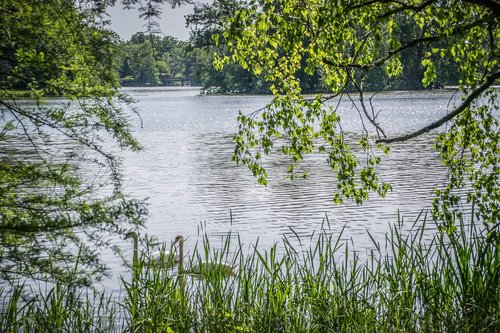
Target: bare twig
[(372, 120)]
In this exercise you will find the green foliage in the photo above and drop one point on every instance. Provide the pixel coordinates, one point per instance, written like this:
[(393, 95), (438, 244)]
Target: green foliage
[(142, 64), (147, 59), (470, 150), (445, 283), (60, 309), (206, 23), (418, 280), (350, 43), (52, 160)]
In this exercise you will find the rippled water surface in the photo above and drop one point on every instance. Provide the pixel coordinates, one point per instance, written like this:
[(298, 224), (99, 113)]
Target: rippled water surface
[(186, 171)]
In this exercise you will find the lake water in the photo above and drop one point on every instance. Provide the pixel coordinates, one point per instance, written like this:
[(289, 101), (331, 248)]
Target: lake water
[(186, 171)]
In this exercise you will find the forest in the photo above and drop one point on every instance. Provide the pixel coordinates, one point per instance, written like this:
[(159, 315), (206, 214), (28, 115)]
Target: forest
[(149, 59)]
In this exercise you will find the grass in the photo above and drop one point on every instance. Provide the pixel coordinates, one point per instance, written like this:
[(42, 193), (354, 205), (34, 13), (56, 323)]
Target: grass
[(61, 309), (414, 281)]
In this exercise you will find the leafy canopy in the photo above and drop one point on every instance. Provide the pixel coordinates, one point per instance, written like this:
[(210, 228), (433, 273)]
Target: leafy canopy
[(61, 197), (60, 189), (347, 40)]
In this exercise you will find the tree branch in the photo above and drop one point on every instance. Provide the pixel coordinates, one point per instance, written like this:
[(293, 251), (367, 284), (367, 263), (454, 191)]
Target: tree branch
[(410, 44), (465, 104), (372, 2), (389, 55), (415, 9), (40, 228), (493, 5)]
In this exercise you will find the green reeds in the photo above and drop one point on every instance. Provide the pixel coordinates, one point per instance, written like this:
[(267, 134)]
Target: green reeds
[(418, 281), (60, 309)]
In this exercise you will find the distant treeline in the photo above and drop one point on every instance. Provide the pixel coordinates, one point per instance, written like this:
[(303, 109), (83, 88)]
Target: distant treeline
[(150, 60)]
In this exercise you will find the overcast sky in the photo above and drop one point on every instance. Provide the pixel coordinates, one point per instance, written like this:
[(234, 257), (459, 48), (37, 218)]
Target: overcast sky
[(172, 22)]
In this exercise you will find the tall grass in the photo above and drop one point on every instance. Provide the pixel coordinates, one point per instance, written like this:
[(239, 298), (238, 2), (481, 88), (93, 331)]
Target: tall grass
[(413, 282), (419, 280), (60, 309)]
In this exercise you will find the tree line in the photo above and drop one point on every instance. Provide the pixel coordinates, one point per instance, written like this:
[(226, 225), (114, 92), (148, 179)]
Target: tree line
[(148, 59)]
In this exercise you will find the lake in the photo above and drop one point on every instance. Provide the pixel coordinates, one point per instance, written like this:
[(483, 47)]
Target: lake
[(186, 171)]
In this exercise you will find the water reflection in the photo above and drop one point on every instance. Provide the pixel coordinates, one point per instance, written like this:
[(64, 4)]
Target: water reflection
[(187, 173)]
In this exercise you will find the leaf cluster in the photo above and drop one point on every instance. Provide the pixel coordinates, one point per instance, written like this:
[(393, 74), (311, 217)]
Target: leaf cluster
[(347, 42), (60, 190)]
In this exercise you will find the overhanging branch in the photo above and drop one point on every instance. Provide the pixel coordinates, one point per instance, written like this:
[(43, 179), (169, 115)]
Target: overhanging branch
[(465, 104), (389, 54), (417, 41), (493, 5), (39, 228)]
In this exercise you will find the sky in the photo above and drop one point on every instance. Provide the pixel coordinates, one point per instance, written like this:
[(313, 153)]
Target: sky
[(172, 23)]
